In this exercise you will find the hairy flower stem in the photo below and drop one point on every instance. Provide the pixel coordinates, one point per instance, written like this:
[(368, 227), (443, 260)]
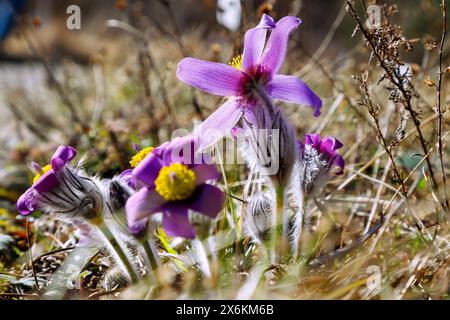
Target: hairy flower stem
[(439, 105), (201, 256), (151, 251), (148, 244), (298, 225), (118, 250), (279, 239), (265, 98)]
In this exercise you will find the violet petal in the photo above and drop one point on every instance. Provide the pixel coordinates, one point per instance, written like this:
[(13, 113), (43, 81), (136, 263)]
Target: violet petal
[(208, 200), (205, 172), (339, 162), (176, 222), (62, 156), (128, 177), (254, 42), (142, 204), (292, 90), (27, 202), (218, 123), (148, 169), (276, 47), (313, 139), (138, 227), (212, 77), (183, 150), (46, 182)]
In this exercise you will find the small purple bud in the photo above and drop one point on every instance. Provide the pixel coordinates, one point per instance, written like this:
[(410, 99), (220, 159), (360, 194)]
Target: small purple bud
[(258, 220), (317, 158), (136, 147), (37, 168)]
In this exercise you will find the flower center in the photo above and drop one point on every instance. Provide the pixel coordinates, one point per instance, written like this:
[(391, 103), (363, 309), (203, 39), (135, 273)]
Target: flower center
[(138, 157), (39, 174), (175, 182), (236, 62), (254, 76)]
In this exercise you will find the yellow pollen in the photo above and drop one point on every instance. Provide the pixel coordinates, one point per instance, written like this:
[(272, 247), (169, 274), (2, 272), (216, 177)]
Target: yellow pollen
[(39, 174), (138, 157), (236, 62), (175, 182)]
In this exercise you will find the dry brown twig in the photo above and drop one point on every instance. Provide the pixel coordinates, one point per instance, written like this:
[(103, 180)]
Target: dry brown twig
[(439, 104), (333, 83), (33, 269), (384, 43), (374, 112), (355, 243)]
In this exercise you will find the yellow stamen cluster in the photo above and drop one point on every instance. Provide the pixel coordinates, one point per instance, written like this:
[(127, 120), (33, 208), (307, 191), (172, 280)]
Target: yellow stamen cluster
[(236, 62), (39, 174), (138, 157), (175, 182)]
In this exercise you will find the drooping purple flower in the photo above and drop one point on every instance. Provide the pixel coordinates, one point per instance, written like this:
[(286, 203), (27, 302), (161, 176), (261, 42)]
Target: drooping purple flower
[(45, 180), (327, 147), (63, 190), (317, 158), (172, 180), (250, 79)]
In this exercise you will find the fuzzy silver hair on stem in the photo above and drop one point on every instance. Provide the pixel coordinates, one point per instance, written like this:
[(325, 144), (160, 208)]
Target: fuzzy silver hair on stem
[(313, 170), (139, 248), (109, 197), (298, 197), (258, 221), (317, 157), (77, 199), (94, 206), (115, 194), (272, 150)]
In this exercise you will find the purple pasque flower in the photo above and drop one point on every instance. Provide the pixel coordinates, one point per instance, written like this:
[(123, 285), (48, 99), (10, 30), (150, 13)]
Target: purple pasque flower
[(317, 157), (63, 190), (251, 79), (172, 180), (45, 180)]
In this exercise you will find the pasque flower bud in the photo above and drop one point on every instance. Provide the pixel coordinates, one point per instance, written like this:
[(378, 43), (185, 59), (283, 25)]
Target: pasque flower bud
[(63, 190), (273, 149), (317, 159), (258, 220)]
